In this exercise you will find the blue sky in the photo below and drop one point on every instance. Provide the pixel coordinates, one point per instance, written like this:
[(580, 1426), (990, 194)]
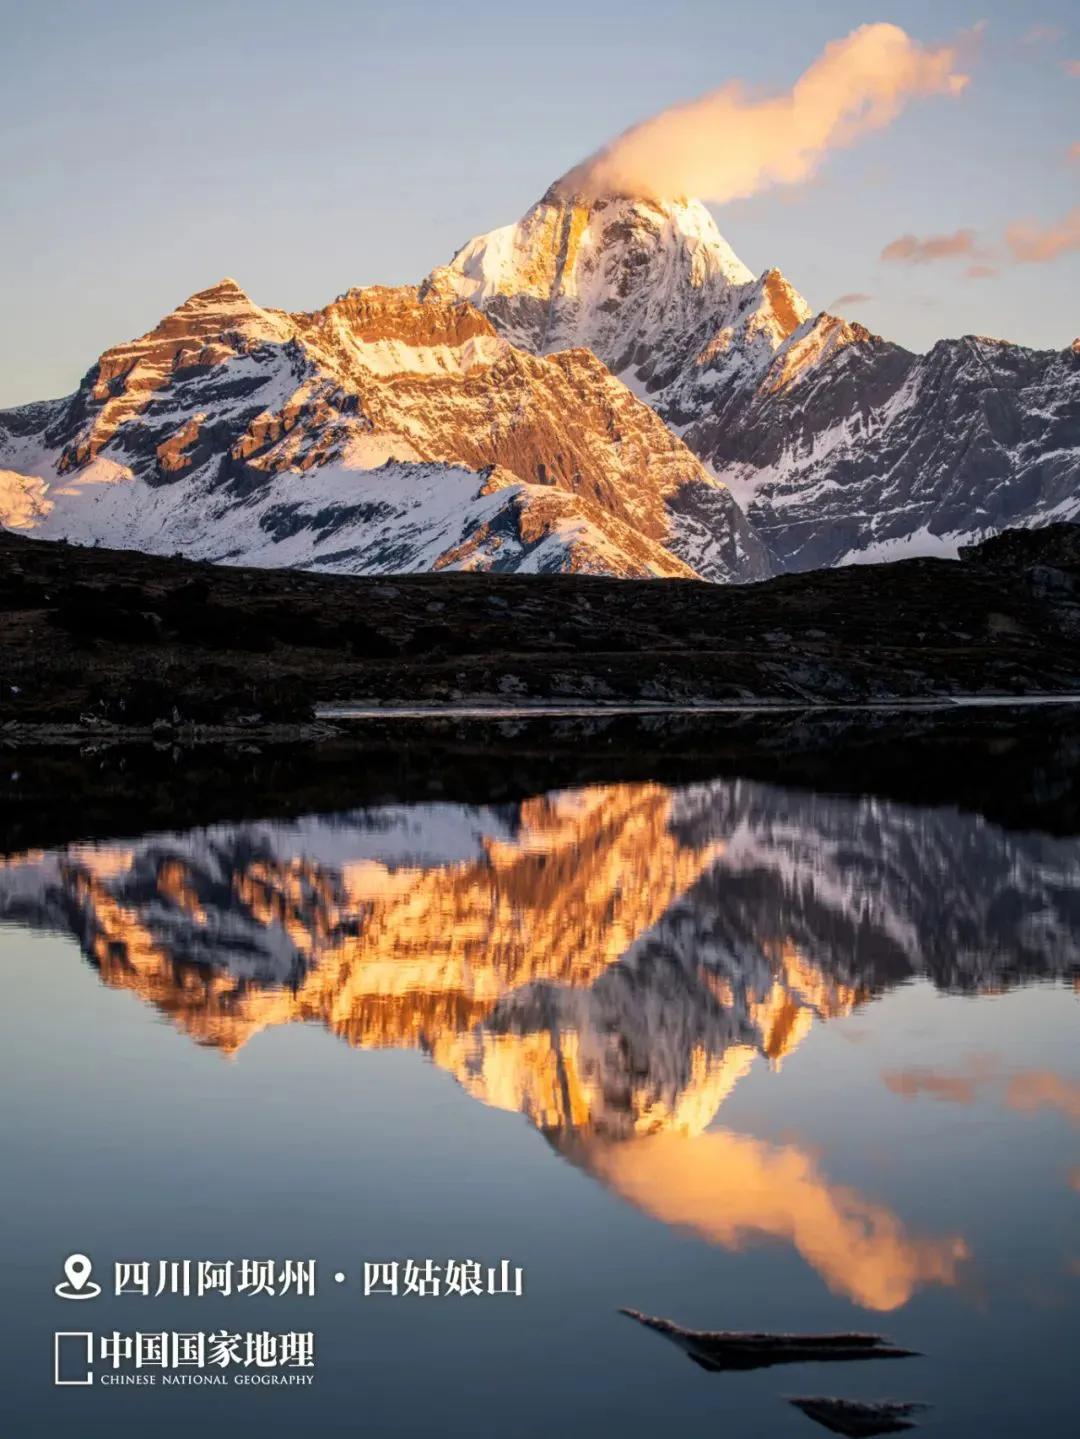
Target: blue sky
[(147, 150)]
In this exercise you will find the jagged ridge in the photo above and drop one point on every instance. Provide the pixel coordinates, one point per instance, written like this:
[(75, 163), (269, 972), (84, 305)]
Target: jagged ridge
[(838, 445), (387, 432)]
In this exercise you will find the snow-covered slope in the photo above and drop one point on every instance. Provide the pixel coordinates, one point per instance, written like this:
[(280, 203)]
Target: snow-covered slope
[(387, 432), (839, 445), (880, 454)]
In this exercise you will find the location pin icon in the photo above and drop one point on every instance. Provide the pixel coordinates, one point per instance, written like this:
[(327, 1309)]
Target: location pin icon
[(76, 1270), (76, 1283)]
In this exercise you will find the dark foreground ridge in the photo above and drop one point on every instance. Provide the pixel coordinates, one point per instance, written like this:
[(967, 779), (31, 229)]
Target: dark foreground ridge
[(97, 636)]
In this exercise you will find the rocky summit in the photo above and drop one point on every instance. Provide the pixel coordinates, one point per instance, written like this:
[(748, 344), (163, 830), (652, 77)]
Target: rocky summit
[(602, 388)]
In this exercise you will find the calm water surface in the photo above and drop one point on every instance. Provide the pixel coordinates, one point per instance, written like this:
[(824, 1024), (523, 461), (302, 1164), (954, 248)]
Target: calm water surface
[(742, 1056)]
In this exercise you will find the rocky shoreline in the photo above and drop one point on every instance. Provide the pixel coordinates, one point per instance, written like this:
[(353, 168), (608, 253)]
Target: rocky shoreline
[(1018, 768)]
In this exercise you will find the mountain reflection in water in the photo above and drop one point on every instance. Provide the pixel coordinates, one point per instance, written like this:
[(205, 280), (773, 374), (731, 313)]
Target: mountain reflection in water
[(609, 962)]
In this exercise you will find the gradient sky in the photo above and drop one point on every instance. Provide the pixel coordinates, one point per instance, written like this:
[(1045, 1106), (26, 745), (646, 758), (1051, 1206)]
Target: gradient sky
[(148, 150)]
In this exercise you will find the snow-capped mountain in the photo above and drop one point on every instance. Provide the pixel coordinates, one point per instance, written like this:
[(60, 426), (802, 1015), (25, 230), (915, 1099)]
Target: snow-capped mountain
[(603, 386), (643, 285), (385, 433), (839, 445)]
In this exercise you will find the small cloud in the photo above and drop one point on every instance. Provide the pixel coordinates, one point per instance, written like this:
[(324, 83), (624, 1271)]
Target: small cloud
[(1074, 152), (916, 250), (1036, 1089), (951, 1088), (980, 272), (853, 297), (1041, 34), (1071, 67), (1031, 244), (1030, 1091)]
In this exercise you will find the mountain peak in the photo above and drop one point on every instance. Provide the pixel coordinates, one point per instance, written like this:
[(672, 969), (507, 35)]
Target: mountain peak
[(224, 297), (609, 273), (207, 329), (226, 286), (564, 237), (218, 311), (649, 285), (783, 302), (226, 292), (561, 192)]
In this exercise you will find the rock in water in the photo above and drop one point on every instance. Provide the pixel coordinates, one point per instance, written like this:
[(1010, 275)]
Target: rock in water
[(722, 1350), (860, 1420)]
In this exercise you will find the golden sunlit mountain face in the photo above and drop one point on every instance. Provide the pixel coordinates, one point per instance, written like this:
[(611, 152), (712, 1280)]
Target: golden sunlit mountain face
[(416, 956), (405, 956), (608, 962)]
